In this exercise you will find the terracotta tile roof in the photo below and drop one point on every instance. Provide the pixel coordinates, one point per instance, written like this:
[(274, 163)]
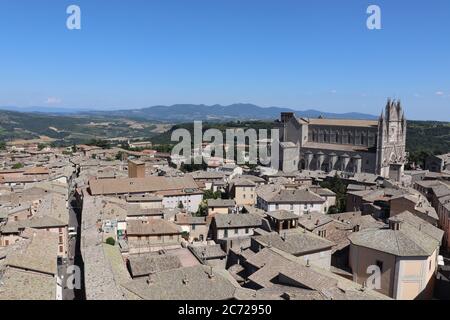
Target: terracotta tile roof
[(151, 227), (284, 273), (343, 122), (208, 252), (36, 170), (188, 283), (237, 220), (21, 285), (407, 241), (292, 196), (296, 243), (40, 255), (221, 203), (282, 215), (141, 185), (148, 263)]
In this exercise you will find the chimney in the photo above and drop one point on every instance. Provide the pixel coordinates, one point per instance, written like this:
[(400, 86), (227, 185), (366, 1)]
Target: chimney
[(286, 116), (204, 255), (363, 287), (150, 279), (211, 273), (394, 225), (136, 169), (356, 228), (185, 280), (289, 296)]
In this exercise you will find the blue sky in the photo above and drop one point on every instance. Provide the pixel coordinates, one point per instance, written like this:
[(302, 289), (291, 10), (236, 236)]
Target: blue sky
[(291, 53)]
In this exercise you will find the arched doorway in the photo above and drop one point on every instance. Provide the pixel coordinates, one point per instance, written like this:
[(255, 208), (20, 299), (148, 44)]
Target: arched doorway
[(302, 164)]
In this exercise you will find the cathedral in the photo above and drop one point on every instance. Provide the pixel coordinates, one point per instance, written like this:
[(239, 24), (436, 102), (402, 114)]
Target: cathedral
[(348, 145)]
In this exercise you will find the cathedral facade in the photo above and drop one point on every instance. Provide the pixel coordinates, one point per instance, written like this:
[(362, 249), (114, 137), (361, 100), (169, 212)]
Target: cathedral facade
[(353, 146)]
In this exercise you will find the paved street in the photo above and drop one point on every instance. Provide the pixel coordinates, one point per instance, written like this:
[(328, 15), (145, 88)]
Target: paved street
[(74, 257)]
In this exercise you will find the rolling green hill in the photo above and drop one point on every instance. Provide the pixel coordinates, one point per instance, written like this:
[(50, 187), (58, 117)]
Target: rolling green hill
[(69, 128), (427, 137), (423, 137)]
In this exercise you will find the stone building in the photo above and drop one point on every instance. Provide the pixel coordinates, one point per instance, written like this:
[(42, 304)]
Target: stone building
[(438, 163), (354, 146), (405, 254)]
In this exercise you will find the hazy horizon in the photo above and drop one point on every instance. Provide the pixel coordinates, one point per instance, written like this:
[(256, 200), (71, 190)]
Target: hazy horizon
[(90, 109)]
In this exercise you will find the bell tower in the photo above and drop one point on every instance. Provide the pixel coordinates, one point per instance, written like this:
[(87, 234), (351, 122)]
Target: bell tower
[(391, 143)]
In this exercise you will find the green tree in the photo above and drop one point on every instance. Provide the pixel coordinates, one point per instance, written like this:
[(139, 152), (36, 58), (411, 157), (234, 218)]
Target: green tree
[(125, 145), (193, 167), (185, 235), (2, 145), (338, 186), (333, 210), (110, 241), (202, 210), (18, 165), (164, 148), (99, 143), (209, 194), (119, 155)]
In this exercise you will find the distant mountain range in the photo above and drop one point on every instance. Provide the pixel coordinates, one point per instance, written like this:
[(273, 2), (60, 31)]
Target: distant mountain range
[(190, 112), (45, 110), (239, 111)]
